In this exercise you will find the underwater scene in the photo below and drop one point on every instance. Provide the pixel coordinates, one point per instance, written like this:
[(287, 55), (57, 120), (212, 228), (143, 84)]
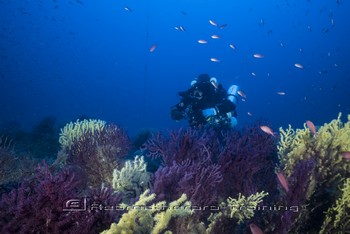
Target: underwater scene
[(174, 116)]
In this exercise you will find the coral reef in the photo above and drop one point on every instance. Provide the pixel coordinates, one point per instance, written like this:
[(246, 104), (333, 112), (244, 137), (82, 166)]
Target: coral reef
[(150, 218), (73, 132), (133, 179), (204, 181), (338, 216), (324, 150), (248, 157), (194, 179), (325, 147), (96, 151), (212, 160), (243, 207), (179, 146), (37, 206)]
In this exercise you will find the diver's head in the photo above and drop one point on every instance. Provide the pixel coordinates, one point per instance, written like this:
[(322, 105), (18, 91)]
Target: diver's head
[(202, 78)]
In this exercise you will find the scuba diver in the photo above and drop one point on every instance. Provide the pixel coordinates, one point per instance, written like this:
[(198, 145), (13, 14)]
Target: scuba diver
[(206, 103)]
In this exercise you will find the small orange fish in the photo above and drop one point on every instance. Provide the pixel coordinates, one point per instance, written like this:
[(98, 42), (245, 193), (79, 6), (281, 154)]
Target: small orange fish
[(152, 48), (311, 126), (242, 94), (215, 60), (213, 23), (298, 65), (346, 155), (258, 56), (215, 36), (283, 181), (267, 130), (201, 41), (255, 229)]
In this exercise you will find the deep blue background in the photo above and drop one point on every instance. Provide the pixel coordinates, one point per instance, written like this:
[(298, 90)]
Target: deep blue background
[(91, 57)]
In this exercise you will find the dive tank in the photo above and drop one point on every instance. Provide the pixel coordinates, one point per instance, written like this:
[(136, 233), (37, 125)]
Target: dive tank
[(232, 94)]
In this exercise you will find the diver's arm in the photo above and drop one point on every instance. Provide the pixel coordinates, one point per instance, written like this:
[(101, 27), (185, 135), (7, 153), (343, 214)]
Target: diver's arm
[(177, 111)]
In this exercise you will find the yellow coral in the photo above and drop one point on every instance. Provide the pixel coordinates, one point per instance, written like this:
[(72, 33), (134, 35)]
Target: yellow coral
[(74, 131), (338, 217), (132, 177), (143, 218), (325, 148), (162, 219), (291, 146), (243, 208)]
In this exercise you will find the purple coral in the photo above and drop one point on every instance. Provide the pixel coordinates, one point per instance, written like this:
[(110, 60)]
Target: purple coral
[(247, 162), (300, 180), (37, 206), (96, 154), (210, 166), (194, 179), (179, 146)]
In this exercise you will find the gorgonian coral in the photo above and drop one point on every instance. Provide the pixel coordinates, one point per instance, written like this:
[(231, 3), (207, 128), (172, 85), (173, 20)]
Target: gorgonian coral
[(194, 179), (247, 162), (74, 131), (178, 146), (133, 179), (96, 154), (150, 218), (37, 206)]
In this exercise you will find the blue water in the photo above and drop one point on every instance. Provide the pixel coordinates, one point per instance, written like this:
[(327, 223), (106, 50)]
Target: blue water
[(82, 57)]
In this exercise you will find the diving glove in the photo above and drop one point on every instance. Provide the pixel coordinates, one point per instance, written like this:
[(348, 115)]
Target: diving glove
[(209, 112)]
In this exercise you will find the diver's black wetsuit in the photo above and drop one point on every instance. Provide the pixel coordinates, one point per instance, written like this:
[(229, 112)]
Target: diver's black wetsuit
[(200, 96)]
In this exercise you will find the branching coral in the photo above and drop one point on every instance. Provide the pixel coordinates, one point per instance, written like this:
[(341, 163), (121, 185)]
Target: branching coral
[(338, 217), (247, 161), (301, 186), (75, 131), (243, 207), (37, 206), (97, 153), (179, 146), (133, 179), (225, 163), (194, 179), (145, 218), (325, 147), (240, 209)]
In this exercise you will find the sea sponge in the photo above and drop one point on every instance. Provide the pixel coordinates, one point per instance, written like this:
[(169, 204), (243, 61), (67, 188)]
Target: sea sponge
[(74, 131)]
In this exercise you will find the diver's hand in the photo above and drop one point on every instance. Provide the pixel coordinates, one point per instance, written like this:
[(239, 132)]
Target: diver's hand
[(209, 112)]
